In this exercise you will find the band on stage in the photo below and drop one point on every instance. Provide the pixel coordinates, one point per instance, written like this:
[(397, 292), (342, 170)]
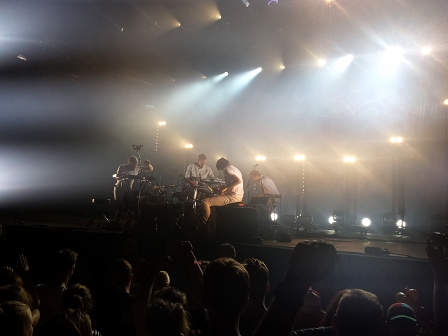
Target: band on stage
[(200, 189)]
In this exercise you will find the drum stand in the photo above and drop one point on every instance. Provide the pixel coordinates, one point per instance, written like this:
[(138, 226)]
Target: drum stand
[(100, 214)]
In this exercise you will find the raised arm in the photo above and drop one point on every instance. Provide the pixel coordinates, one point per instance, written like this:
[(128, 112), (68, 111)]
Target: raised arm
[(309, 262), (143, 296)]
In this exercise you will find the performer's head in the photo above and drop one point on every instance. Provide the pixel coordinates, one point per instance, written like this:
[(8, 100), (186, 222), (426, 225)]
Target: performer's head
[(202, 160), (255, 175), (132, 161), (222, 163)]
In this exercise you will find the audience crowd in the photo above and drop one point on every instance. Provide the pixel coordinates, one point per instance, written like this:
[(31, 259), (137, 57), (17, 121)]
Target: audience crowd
[(221, 297)]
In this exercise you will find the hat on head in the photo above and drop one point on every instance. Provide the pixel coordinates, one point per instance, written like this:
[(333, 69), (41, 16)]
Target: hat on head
[(400, 310)]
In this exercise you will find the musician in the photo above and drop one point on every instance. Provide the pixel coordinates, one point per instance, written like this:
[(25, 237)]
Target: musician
[(121, 194), (232, 193), (267, 186), (200, 169)]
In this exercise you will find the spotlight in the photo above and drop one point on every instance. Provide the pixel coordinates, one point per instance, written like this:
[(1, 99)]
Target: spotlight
[(337, 221), (426, 50), (261, 158), (299, 157), (401, 224), (218, 17), (188, 146), (321, 63), (274, 216), (162, 123), (226, 74), (366, 222), (282, 67), (258, 70), (445, 102), (350, 159), (396, 140), (392, 56)]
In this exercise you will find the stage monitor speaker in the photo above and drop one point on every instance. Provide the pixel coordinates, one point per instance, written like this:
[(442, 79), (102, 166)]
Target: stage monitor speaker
[(233, 224)]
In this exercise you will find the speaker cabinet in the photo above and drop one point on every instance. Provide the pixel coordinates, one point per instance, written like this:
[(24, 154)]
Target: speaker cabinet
[(232, 223)]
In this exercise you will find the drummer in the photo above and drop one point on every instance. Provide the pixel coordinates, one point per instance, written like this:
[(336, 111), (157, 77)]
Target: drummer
[(200, 169)]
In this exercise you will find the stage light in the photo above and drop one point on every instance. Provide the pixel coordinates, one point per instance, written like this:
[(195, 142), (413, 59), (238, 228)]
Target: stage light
[(321, 62), (282, 67), (342, 63), (258, 70), (23, 58), (162, 123), (274, 216), (299, 157), (218, 17), (396, 140), (426, 50), (188, 146), (392, 57), (366, 222), (445, 102), (226, 74), (331, 220), (261, 158), (349, 159), (401, 224)]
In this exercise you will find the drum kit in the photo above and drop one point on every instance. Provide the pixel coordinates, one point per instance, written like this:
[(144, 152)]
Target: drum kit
[(167, 208)]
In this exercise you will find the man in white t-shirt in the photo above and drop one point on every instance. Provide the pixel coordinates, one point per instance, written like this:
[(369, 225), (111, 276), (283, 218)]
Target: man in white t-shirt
[(120, 188), (232, 193)]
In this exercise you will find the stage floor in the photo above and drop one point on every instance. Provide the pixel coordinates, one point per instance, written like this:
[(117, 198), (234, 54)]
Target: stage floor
[(407, 246)]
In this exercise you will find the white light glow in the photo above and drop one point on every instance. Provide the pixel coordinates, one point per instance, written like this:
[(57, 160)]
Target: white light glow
[(321, 62), (349, 159), (426, 50), (391, 57), (23, 58), (401, 224), (274, 216), (396, 140), (331, 220), (342, 63), (282, 67), (162, 123), (188, 146), (299, 157), (445, 102), (366, 222), (261, 158)]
